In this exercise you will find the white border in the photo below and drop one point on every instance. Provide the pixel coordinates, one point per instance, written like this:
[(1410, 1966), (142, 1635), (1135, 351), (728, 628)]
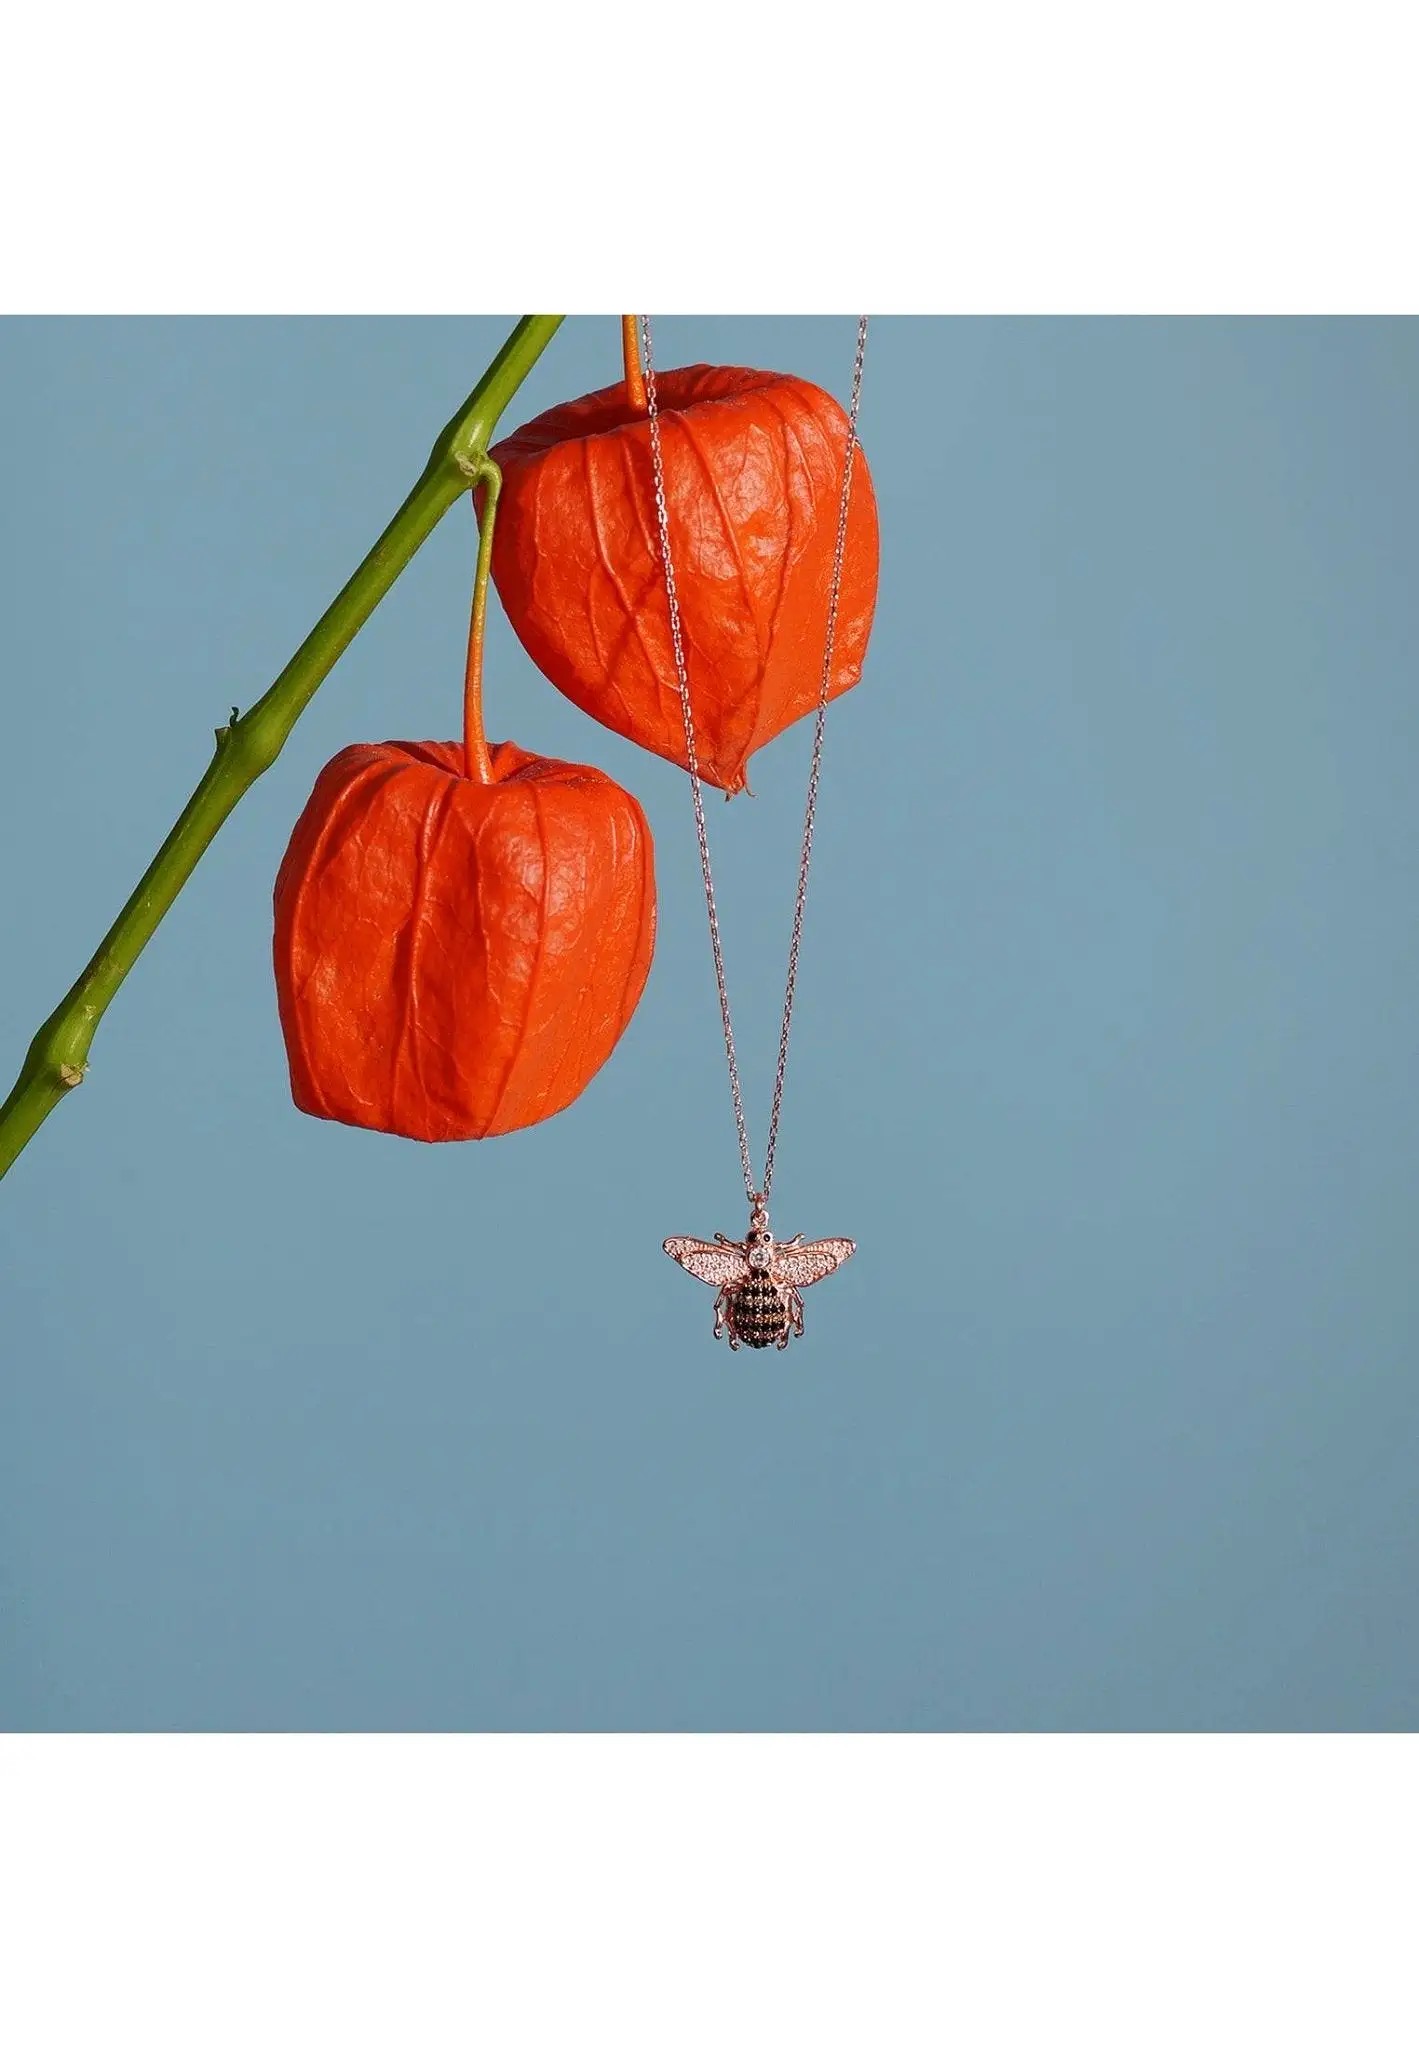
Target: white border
[(1147, 1890), (1238, 157)]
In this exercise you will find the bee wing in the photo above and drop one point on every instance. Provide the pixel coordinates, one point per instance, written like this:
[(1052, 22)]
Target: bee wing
[(799, 1265), (719, 1265)]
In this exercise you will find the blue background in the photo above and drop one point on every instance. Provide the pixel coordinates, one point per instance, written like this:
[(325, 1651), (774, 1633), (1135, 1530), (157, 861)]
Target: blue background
[(1105, 1054)]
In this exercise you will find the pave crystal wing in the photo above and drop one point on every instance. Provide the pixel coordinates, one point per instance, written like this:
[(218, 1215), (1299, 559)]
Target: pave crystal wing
[(799, 1265), (719, 1265)]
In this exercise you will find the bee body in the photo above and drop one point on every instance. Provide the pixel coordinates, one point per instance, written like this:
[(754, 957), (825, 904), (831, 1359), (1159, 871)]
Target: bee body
[(757, 1313), (759, 1302)]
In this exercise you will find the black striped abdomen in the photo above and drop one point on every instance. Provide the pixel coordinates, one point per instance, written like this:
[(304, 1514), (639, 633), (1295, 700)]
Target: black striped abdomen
[(758, 1313)]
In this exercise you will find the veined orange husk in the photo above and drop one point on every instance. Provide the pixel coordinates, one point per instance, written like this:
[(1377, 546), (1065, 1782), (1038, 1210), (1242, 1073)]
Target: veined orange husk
[(753, 466), (457, 959)]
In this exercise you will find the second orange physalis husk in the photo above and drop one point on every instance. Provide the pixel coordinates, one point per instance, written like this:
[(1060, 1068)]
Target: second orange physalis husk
[(753, 478)]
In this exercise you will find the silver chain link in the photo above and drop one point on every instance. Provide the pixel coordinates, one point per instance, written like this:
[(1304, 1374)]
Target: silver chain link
[(756, 1195)]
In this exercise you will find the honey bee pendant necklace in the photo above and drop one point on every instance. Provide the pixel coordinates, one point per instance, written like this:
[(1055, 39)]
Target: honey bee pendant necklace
[(760, 1281)]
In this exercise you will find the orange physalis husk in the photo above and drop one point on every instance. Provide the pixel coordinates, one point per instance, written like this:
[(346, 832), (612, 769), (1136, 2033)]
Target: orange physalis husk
[(457, 958), (753, 480)]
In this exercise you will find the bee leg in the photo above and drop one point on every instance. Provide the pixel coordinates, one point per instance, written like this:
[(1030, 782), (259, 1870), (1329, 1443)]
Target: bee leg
[(795, 1309), (719, 1307)]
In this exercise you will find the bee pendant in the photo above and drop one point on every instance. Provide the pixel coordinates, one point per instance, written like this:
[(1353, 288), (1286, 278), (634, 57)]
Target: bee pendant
[(760, 1282)]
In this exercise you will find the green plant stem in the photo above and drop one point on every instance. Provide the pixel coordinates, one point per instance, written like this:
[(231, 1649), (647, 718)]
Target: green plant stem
[(58, 1057)]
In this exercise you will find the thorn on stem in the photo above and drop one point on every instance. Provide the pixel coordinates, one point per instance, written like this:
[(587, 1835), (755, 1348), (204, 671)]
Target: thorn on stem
[(71, 1076)]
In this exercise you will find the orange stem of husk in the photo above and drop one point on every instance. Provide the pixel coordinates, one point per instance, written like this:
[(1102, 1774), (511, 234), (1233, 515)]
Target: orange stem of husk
[(477, 762), (635, 376)]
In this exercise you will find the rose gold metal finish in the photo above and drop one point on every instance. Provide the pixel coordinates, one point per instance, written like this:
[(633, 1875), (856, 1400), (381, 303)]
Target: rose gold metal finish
[(757, 1197)]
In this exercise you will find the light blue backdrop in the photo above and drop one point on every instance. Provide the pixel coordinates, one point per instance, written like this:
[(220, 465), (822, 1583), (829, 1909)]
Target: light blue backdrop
[(1105, 1054)]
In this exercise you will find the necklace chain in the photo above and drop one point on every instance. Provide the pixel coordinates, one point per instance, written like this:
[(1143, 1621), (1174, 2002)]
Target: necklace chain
[(757, 1196)]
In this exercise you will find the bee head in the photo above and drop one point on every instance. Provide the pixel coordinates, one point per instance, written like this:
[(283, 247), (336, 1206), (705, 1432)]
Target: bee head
[(758, 1245)]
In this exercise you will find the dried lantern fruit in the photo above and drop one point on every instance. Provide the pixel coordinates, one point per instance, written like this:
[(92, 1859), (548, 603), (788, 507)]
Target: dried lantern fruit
[(753, 476), (462, 931), (456, 958)]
